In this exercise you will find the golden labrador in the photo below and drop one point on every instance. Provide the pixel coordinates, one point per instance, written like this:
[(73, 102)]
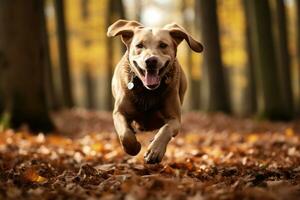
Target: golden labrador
[(149, 85)]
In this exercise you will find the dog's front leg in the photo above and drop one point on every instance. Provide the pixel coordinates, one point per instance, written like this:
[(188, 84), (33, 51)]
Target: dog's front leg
[(158, 146), (126, 134)]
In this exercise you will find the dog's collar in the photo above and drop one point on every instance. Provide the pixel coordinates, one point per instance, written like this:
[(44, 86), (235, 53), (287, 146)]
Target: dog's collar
[(130, 84)]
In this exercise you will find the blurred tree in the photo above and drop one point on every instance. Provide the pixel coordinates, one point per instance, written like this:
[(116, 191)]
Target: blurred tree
[(115, 10), (63, 54), (2, 68), (193, 94), (249, 100), (283, 57), (214, 95), (84, 9), (52, 99), (22, 49), (89, 88), (1, 89), (1, 103), (87, 73), (298, 50), (269, 99)]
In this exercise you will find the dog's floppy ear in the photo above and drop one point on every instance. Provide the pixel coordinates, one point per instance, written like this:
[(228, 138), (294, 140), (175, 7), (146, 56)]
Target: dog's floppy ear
[(178, 34), (124, 28)]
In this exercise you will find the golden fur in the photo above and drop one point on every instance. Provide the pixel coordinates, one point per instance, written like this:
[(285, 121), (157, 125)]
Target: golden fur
[(149, 107)]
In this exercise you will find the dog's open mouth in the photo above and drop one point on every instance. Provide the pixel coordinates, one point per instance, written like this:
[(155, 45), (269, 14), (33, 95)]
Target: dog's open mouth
[(151, 78)]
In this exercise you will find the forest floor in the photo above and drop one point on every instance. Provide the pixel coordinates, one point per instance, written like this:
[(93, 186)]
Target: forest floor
[(214, 157)]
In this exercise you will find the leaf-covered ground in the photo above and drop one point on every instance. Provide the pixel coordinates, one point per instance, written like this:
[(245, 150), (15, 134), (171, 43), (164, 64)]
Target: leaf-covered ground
[(214, 157)]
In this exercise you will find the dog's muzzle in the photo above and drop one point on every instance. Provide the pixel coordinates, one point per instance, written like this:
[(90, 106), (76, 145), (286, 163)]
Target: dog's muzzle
[(151, 76)]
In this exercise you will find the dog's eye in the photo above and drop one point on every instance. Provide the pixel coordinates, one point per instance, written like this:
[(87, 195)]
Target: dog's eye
[(163, 45), (140, 46)]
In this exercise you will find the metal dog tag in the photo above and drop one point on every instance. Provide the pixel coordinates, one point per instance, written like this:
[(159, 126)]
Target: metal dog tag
[(130, 85)]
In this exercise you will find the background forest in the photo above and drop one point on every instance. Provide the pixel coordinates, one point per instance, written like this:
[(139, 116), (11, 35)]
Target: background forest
[(250, 66), (240, 126)]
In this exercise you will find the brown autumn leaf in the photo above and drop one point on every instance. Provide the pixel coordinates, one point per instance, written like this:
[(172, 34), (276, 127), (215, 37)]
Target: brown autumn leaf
[(32, 175), (214, 157)]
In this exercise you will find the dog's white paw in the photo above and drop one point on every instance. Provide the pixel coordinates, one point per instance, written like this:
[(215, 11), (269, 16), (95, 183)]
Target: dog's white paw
[(155, 152)]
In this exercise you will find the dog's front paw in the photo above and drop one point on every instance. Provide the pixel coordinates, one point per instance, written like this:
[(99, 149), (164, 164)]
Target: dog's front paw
[(155, 152), (130, 143)]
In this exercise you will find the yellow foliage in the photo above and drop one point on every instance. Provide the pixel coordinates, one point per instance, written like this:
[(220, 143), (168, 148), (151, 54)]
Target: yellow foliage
[(232, 31), (289, 132), (252, 138), (98, 147), (85, 36)]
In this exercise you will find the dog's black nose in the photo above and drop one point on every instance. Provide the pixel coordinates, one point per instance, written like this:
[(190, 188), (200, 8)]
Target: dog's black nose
[(151, 62)]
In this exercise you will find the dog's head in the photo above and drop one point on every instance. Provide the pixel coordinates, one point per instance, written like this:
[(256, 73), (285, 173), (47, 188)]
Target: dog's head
[(151, 50)]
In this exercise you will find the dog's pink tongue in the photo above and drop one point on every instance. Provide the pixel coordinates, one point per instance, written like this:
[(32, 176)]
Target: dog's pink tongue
[(151, 78)]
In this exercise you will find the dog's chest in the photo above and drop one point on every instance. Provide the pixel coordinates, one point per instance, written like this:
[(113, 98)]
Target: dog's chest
[(147, 100)]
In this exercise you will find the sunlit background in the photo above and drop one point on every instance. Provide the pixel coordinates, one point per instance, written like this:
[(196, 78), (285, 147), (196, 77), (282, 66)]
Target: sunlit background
[(87, 22)]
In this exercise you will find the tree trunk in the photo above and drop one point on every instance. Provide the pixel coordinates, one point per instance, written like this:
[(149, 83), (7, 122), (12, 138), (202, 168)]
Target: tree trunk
[(2, 68), (283, 58), (52, 100), (214, 95), (63, 54), (106, 82), (1, 91), (90, 88), (115, 8), (22, 51), (87, 73), (249, 100), (84, 9), (193, 93), (269, 100), (298, 51)]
